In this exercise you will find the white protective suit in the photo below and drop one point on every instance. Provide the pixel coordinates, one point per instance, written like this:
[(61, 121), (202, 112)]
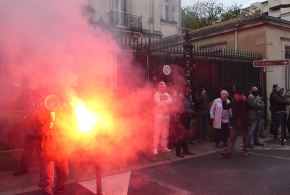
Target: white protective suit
[(161, 119)]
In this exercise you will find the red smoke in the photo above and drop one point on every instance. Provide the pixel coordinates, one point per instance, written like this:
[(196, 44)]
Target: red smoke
[(53, 47)]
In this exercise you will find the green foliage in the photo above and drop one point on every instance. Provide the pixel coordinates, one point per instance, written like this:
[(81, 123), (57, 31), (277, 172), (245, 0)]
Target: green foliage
[(208, 12), (231, 12)]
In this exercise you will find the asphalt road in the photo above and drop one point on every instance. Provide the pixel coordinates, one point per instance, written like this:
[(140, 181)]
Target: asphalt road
[(264, 171)]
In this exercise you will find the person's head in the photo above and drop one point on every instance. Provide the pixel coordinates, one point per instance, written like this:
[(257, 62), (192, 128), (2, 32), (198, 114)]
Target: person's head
[(161, 87), (187, 90), (254, 91), (154, 76), (234, 88), (183, 87), (238, 95), (174, 95), (280, 89), (201, 87), (224, 94), (275, 86)]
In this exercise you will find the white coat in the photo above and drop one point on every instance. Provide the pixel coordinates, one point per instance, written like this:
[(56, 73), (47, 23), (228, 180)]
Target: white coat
[(218, 113)]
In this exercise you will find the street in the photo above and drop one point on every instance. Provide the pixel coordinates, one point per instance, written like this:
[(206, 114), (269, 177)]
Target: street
[(264, 171)]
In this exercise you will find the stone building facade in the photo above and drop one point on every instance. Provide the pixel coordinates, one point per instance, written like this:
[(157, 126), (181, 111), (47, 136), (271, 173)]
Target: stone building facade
[(136, 18), (274, 8), (264, 34)]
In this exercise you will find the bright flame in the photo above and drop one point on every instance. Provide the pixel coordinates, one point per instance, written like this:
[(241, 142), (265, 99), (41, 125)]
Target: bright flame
[(86, 119)]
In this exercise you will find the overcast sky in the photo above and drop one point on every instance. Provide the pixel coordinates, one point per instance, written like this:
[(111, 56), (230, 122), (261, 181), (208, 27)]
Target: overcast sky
[(245, 3)]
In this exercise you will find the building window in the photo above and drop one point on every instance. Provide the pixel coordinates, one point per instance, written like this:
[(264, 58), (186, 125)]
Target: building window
[(166, 10), (120, 5), (287, 52)]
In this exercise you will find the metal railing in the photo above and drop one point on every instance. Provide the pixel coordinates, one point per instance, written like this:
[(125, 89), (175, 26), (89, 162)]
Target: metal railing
[(214, 67), (126, 21)]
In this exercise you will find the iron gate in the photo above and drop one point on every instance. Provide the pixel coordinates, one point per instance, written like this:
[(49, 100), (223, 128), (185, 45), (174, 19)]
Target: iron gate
[(212, 67)]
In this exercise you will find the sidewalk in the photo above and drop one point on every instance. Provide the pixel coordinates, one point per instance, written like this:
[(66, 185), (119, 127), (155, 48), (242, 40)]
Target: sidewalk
[(10, 184)]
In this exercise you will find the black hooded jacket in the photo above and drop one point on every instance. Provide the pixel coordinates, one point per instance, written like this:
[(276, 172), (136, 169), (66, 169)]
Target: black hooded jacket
[(280, 101), (242, 107)]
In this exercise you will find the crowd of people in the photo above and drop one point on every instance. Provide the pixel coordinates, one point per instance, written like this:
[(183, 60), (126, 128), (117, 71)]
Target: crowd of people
[(231, 113)]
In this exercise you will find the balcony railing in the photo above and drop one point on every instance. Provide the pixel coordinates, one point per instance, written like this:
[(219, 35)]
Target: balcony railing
[(125, 21)]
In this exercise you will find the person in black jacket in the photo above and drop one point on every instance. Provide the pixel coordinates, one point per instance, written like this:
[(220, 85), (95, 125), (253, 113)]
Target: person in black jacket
[(232, 92), (202, 103), (271, 108), (186, 114), (240, 121), (280, 103)]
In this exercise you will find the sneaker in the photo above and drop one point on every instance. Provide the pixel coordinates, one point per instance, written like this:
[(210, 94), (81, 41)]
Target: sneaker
[(170, 146), (226, 154), (250, 146), (179, 154), (284, 140), (262, 136), (188, 153), (258, 144), (155, 152), (191, 142), (20, 171), (165, 150)]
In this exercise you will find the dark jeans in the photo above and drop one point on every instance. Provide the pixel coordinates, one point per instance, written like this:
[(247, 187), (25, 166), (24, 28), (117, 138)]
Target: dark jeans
[(222, 134), (185, 120), (202, 124), (47, 176), (234, 133), (182, 129), (273, 119), (254, 130), (172, 132), (278, 119), (29, 145)]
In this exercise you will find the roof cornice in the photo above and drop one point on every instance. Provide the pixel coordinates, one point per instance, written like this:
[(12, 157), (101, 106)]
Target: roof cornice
[(236, 24)]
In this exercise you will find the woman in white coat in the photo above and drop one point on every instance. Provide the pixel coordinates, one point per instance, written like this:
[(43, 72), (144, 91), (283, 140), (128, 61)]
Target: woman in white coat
[(221, 119)]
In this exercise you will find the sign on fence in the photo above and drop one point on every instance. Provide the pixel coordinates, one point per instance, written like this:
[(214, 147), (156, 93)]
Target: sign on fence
[(266, 63)]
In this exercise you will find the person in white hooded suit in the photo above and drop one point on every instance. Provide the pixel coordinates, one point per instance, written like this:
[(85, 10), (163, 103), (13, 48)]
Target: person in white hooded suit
[(161, 119)]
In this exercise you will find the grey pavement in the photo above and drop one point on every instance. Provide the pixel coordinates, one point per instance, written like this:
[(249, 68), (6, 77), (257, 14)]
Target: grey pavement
[(262, 172), (10, 184)]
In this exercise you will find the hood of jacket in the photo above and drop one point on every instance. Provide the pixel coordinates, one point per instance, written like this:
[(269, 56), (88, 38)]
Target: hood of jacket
[(278, 88)]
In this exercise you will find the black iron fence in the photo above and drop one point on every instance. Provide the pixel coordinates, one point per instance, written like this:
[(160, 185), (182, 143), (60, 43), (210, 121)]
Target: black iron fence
[(213, 67)]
